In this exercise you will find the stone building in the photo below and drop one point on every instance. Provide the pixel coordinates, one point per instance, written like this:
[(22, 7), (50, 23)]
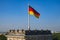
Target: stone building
[(29, 35)]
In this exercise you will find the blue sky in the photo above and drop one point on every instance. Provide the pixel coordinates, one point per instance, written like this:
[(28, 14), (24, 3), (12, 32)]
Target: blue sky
[(14, 14)]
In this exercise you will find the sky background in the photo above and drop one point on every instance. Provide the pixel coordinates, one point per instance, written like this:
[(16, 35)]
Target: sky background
[(14, 14)]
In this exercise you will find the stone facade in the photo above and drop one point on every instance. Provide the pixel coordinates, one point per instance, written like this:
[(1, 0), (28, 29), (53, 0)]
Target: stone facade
[(29, 35)]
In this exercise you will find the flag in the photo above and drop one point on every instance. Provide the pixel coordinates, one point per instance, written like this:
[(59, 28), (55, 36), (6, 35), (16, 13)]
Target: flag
[(33, 12)]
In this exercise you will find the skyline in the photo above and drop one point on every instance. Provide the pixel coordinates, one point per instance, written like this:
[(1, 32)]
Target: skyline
[(14, 14)]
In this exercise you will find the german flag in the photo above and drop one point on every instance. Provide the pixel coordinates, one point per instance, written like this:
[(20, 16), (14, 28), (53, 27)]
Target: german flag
[(33, 12)]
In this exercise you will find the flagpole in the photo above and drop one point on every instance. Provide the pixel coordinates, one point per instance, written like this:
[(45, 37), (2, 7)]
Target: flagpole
[(28, 19)]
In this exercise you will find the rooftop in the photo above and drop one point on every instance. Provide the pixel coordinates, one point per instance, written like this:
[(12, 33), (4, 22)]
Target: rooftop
[(30, 32)]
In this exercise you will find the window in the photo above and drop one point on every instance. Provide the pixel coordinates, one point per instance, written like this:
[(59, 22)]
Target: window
[(10, 39)]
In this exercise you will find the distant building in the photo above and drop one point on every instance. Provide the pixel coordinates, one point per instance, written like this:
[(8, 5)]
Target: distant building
[(29, 35), (2, 33)]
